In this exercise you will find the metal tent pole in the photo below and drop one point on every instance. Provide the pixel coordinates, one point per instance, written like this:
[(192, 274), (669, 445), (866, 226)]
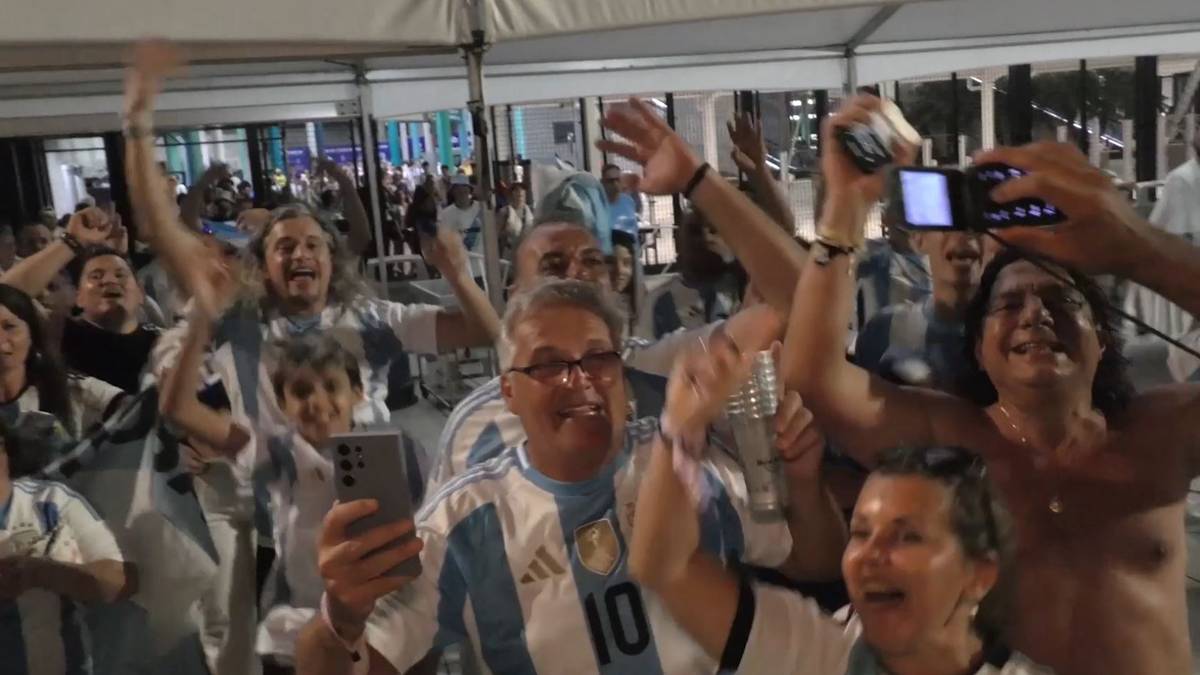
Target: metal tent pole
[(483, 162), (366, 116)]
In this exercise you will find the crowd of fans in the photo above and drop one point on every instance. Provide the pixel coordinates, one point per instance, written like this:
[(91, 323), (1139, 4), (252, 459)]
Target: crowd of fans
[(972, 481)]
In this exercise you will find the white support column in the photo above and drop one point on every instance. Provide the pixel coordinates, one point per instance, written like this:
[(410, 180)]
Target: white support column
[(1060, 133), (402, 137), (1128, 167), (1160, 146), (927, 152), (887, 89), (708, 123), (430, 155), (1096, 153), (1189, 134), (987, 110), (964, 158), (310, 135)]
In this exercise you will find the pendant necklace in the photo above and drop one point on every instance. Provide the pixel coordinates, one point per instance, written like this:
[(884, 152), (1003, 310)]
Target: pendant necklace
[(1056, 503)]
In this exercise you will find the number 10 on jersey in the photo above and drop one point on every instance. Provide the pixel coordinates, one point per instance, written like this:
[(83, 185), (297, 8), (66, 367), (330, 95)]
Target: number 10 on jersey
[(610, 627)]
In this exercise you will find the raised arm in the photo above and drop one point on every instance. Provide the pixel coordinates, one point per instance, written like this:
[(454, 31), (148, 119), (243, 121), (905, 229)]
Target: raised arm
[(476, 323), (356, 214), (153, 211), (750, 154), (89, 227), (770, 256), (864, 413), (1103, 234), (178, 400)]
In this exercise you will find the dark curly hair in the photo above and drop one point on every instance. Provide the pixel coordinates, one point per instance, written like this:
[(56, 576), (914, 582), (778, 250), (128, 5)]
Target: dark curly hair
[(1112, 389)]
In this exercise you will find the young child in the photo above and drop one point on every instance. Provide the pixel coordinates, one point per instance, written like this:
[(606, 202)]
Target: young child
[(56, 554), (318, 384)]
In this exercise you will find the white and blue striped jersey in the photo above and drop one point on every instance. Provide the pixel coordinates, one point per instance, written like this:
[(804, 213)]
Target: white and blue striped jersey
[(909, 337), (790, 634), (885, 277), (481, 426), (42, 633), (532, 572), (375, 331)]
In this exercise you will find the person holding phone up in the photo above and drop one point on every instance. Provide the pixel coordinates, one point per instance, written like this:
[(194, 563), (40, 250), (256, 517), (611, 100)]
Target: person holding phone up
[(534, 542)]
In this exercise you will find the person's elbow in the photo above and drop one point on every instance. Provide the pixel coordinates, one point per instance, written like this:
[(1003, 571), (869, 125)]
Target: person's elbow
[(117, 580)]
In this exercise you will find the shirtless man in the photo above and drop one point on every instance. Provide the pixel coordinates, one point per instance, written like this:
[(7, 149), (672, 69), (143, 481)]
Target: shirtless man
[(1095, 477)]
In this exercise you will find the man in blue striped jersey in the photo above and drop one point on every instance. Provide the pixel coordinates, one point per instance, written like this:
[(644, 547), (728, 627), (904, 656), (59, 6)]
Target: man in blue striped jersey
[(524, 556)]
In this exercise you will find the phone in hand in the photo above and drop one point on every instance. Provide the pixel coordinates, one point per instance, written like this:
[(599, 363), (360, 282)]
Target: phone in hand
[(371, 465)]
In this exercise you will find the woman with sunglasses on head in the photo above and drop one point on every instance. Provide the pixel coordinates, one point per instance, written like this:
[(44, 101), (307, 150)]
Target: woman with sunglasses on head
[(923, 558)]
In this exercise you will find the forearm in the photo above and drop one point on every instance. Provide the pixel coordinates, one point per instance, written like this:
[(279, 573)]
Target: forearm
[(703, 600), (771, 258), (356, 214), (818, 533), (33, 274), (478, 323), (104, 581), (771, 196), (178, 399), (1168, 265), (814, 347), (153, 212)]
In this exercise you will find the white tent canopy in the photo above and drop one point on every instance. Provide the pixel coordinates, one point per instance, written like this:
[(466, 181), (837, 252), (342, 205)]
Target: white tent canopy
[(539, 50)]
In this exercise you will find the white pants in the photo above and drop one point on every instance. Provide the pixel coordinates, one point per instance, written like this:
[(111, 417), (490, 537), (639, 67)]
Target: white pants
[(229, 610)]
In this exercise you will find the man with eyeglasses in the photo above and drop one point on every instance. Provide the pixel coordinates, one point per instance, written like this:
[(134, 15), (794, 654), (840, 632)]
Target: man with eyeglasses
[(525, 556)]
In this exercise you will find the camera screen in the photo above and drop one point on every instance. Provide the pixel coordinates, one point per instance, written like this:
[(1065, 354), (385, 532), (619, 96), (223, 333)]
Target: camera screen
[(926, 197)]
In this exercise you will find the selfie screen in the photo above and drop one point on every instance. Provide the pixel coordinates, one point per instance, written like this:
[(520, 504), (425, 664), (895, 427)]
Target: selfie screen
[(926, 199)]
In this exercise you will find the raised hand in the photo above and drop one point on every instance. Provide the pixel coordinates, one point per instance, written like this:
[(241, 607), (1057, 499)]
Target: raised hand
[(798, 439), (90, 227), (842, 176), (151, 62), (446, 252), (749, 150), (325, 166), (667, 161), (1101, 224), (213, 286), (353, 567)]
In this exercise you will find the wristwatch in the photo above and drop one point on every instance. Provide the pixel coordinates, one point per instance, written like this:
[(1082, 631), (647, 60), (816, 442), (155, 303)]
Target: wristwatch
[(824, 252)]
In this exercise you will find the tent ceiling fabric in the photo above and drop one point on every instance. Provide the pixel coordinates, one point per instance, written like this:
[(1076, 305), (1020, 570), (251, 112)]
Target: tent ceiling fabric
[(567, 48)]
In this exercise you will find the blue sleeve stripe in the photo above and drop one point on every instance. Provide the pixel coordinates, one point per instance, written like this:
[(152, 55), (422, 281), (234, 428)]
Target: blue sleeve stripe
[(32, 486), (487, 471), (464, 410)]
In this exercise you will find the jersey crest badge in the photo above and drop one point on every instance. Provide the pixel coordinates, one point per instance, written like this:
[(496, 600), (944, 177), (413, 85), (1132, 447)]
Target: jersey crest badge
[(597, 546)]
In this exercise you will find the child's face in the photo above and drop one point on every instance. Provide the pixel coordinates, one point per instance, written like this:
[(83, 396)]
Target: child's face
[(320, 402)]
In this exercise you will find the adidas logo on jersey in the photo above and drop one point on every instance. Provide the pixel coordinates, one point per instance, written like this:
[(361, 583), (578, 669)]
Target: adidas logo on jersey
[(543, 567)]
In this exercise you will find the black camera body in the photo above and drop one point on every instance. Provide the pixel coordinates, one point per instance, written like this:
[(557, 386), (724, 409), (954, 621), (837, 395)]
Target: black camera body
[(923, 198)]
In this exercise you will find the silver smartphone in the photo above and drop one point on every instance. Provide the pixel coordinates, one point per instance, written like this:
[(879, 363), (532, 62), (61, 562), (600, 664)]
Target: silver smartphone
[(371, 465)]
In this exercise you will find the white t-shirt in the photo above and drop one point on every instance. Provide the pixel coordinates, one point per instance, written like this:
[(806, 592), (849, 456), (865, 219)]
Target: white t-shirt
[(92, 400), (468, 222), (790, 635), (44, 633), (532, 572)]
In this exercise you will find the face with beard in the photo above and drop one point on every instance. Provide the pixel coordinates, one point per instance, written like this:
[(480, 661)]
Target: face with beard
[(109, 294)]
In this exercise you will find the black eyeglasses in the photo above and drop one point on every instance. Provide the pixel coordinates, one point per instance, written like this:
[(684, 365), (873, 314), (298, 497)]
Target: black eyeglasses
[(602, 367)]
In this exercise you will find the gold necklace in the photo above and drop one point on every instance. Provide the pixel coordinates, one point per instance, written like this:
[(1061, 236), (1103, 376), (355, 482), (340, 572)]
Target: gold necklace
[(1056, 503)]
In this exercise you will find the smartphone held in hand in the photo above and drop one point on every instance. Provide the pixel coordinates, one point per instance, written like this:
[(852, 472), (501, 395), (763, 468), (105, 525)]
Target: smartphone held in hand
[(371, 465)]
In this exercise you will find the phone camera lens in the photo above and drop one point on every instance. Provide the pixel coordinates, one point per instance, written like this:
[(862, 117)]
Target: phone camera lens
[(348, 481), (346, 465), (361, 465), (343, 449)]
